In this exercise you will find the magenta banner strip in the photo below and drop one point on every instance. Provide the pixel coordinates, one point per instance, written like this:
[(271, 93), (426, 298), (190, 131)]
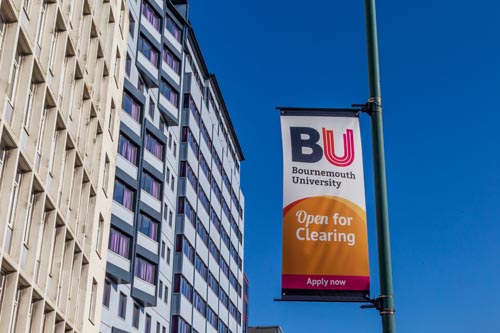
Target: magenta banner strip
[(325, 282)]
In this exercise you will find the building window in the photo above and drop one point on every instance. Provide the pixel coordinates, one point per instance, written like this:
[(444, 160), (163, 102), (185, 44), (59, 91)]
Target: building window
[(202, 232), (186, 209), (119, 243), (131, 26), (151, 15), (131, 107), (169, 252), (185, 170), (105, 176), (3, 27), (151, 108), (147, 326), (225, 209), (224, 236), (117, 67), (127, 149), (145, 270), (204, 166), (165, 211), (181, 285), (163, 245), (123, 195), (174, 29), (206, 135), (222, 327), (183, 245), (53, 43), (106, 297), (29, 106), (226, 181), (187, 136), (93, 300), (189, 103), (179, 325), (214, 251), (211, 317), (215, 188), (122, 306), (199, 304), (136, 315), (154, 146), (224, 267), (148, 51), (217, 160), (204, 200), (14, 78), (160, 290), (162, 124), (213, 284), (148, 227), (170, 218), (215, 219), (171, 60), (201, 267), (140, 84), (100, 227), (168, 91), (14, 199), (165, 295), (128, 65), (224, 298), (112, 118), (29, 213), (151, 185)]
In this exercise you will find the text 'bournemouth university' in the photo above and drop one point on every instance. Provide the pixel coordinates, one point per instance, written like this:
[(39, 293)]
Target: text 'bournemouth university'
[(120, 195)]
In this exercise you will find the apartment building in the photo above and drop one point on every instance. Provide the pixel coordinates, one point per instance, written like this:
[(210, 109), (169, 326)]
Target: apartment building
[(138, 281), (175, 252), (61, 76), (208, 263)]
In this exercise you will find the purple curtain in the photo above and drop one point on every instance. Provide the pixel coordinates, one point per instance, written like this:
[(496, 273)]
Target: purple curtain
[(135, 111), (127, 198)]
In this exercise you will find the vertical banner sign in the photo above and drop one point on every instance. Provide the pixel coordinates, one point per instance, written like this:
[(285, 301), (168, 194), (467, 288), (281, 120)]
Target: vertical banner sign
[(325, 243)]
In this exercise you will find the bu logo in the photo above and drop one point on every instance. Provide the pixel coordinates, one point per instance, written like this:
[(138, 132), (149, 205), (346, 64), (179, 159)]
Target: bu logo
[(305, 147)]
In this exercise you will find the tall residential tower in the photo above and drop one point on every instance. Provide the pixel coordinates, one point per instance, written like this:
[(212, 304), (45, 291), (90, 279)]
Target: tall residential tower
[(175, 259)]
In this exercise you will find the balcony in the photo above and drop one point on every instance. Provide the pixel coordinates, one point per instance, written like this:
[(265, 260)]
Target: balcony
[(151, 201), (172, 109), (126, 166), (174, 43), (144, 286), (131, 123), (123, 213), (118, 261), (147, 243), (171, 73), (153, 160)]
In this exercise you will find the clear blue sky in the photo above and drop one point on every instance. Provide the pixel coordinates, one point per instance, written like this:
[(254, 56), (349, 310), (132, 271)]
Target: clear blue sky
[(440, 69)]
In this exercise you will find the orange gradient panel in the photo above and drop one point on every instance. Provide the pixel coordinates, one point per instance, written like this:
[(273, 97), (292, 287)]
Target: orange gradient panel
[(325, 236)]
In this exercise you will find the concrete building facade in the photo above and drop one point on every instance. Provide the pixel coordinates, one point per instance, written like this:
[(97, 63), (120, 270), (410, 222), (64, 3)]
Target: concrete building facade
[(61, 76), (208, 264)]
